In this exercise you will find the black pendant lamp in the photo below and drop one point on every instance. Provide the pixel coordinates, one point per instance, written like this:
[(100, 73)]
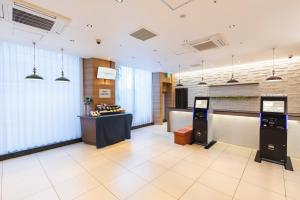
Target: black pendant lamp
[(232, 79), (62, 78), (202, 82), (274, 78), (179, 84), (34, 76)]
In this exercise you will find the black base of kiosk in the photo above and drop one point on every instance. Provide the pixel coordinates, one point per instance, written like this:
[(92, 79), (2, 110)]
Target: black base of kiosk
[(210, 144), (273, 131), (287, 165)]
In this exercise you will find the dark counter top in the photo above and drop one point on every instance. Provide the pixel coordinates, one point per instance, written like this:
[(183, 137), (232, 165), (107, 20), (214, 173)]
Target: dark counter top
[(243, 113), (107, 115)]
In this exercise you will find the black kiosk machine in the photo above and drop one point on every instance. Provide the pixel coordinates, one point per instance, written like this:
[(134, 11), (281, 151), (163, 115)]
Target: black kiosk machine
[(200, 122), (273, 131)]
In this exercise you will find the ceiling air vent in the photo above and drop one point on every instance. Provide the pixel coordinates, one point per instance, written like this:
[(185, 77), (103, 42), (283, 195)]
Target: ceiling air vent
[(143, 34), (32, 20), (25, 14), (212, 42)]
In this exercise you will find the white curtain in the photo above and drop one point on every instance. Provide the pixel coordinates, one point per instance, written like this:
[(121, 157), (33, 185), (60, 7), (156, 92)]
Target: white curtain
[(37, 113), (134, 93)]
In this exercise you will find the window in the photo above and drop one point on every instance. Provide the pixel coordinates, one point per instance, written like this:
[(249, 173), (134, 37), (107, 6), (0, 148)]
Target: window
[(134, 93), (37, 113)]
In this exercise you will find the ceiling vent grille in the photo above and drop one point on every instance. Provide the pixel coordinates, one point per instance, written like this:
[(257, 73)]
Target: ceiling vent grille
[(143, 34), (32, 20), (27, 15), (212, 42)]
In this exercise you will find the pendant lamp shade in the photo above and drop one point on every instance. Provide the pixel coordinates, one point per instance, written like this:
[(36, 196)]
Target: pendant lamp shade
[(202, 82), (274, 78), (232, 80), (179, 84), (34, 76), (62, 78)]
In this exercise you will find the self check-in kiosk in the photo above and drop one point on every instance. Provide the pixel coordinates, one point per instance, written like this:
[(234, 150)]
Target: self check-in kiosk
[(273, 131), (200, 122)]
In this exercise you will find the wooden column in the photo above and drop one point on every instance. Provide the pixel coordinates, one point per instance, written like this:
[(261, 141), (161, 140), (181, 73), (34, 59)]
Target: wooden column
[(162, 84), (92, 85)]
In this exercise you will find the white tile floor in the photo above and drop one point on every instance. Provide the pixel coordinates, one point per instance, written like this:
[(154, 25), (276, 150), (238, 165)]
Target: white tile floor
[(148, 167)]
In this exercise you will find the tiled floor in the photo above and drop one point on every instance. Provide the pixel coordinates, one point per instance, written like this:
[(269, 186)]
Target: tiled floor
[(148, 167)]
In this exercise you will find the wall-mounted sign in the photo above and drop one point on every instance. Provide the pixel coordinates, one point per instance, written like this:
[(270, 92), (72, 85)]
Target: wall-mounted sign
[(106, 73), (104, 93)]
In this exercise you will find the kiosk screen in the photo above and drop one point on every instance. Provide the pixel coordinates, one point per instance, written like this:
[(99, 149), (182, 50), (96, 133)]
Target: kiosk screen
[(201, 104), (273, 106)]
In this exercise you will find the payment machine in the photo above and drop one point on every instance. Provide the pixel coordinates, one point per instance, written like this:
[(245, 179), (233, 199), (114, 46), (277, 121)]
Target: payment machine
[(273, 131), (201, 123)]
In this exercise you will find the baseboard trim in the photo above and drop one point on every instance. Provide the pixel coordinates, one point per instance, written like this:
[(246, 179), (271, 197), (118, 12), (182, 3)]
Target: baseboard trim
[(39, 149), (142, 126), (53, 146)]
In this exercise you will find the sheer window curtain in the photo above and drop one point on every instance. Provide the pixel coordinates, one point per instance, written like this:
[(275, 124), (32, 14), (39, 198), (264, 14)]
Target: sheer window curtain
[(134, 93), (37, 113)]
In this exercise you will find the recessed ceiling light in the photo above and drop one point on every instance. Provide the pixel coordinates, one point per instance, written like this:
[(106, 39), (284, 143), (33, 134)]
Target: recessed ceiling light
[(232, 26), (182, 16), (119, 1)]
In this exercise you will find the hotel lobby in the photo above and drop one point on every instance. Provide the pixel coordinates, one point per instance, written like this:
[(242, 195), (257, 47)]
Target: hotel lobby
[(149, 100)]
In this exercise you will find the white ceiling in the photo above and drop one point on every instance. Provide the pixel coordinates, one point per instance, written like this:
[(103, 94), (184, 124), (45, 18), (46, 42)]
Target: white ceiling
[(260, 25)]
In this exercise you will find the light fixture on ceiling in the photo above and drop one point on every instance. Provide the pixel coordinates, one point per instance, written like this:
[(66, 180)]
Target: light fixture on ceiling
[(202, 82), (34, 76), (274, 78), (119, 1), (62, 78), (182, 16), (232, 26), (179, 84), (232, 79)]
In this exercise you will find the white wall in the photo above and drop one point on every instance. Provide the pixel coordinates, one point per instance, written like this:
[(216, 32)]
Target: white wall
[(237, 130)]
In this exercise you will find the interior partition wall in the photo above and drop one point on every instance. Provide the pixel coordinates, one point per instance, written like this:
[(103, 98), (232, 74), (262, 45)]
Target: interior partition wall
[(134, 93), (35, 113)]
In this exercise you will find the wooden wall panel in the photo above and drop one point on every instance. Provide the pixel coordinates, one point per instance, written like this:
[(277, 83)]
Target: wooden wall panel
[(92, 85), (161, 84)]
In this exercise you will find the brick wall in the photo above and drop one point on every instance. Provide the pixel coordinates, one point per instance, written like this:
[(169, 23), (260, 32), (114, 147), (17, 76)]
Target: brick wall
[(289, 70)]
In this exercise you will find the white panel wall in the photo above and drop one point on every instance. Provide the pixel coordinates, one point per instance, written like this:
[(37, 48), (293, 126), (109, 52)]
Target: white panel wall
[(256, 72), (237, 130)]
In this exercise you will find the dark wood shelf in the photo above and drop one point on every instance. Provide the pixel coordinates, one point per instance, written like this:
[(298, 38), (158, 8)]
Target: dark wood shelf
[(236, 84), (243, 113)]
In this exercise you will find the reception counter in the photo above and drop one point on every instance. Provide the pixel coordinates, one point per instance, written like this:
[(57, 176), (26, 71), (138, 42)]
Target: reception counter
[(236, 127), (105, 130)]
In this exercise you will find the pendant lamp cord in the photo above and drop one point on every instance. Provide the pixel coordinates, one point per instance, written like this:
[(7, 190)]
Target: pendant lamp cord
[(273, 62), (34, 68), (62, 62), (232, 71), (202, 70)]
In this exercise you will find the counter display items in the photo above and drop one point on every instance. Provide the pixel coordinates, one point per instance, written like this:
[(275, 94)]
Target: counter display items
[(273, 131), (106, 110), (200, 122)]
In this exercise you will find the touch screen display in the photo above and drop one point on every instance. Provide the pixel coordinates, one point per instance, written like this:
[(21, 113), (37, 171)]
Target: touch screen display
[(273, 106), (201, 104)]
